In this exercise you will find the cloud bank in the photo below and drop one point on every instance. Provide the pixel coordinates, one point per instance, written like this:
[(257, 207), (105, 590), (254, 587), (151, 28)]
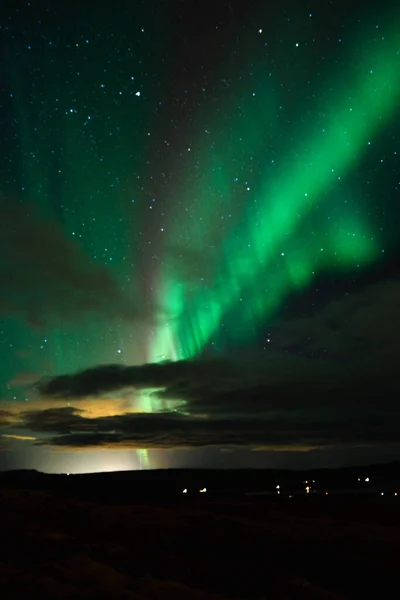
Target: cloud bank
[(297, 396)]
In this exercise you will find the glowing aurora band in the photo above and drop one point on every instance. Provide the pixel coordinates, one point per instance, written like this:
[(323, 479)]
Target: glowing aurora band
[(269, 229)]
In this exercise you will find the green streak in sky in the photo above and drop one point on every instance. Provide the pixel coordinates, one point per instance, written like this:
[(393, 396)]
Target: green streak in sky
[(263, 258), (256, 211), (220, 160)]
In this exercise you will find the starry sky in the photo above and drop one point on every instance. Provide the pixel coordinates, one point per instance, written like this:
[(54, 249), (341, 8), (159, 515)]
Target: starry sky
[(200, 206)]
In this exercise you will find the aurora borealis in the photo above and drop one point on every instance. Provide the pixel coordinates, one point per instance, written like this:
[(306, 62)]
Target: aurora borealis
[(192, 195)]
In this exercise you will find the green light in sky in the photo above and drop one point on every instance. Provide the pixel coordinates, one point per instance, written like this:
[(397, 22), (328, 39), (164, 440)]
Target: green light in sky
[(260, 261), (270, 176)]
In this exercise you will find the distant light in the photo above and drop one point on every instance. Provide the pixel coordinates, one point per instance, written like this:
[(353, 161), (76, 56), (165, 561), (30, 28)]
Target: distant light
[(184, 491), (277, 487), (326, 493), (395, 494), (308, 489), (67, 473), (203, 490), (382, 493), (367, 479), (137, 94), (358, 479)]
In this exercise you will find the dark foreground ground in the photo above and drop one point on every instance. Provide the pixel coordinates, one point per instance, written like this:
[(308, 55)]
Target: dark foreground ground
[(312, 547)]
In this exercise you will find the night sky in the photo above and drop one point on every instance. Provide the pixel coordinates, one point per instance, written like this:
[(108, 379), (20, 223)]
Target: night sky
[(200, 207)]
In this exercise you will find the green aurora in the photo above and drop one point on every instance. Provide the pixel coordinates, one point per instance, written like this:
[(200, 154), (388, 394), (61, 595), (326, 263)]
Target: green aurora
[(212, 213), (276, 232), (267, 244)]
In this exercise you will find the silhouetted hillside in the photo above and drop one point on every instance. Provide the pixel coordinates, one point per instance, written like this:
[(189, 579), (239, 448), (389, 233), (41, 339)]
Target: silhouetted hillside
[(160, 486)]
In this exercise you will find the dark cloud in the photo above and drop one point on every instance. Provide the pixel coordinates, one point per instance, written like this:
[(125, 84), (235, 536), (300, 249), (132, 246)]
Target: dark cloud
[(352, 338), (6, 418), (361, 329), (103, 379), (46, 276), (348, 395), (68, 428)]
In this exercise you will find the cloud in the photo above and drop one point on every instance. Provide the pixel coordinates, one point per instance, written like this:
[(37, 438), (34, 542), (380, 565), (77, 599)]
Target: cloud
[(68, 429), (45, 276), (351, 338), (107, 378), (297, 396), (6, 418), (363, 328)]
